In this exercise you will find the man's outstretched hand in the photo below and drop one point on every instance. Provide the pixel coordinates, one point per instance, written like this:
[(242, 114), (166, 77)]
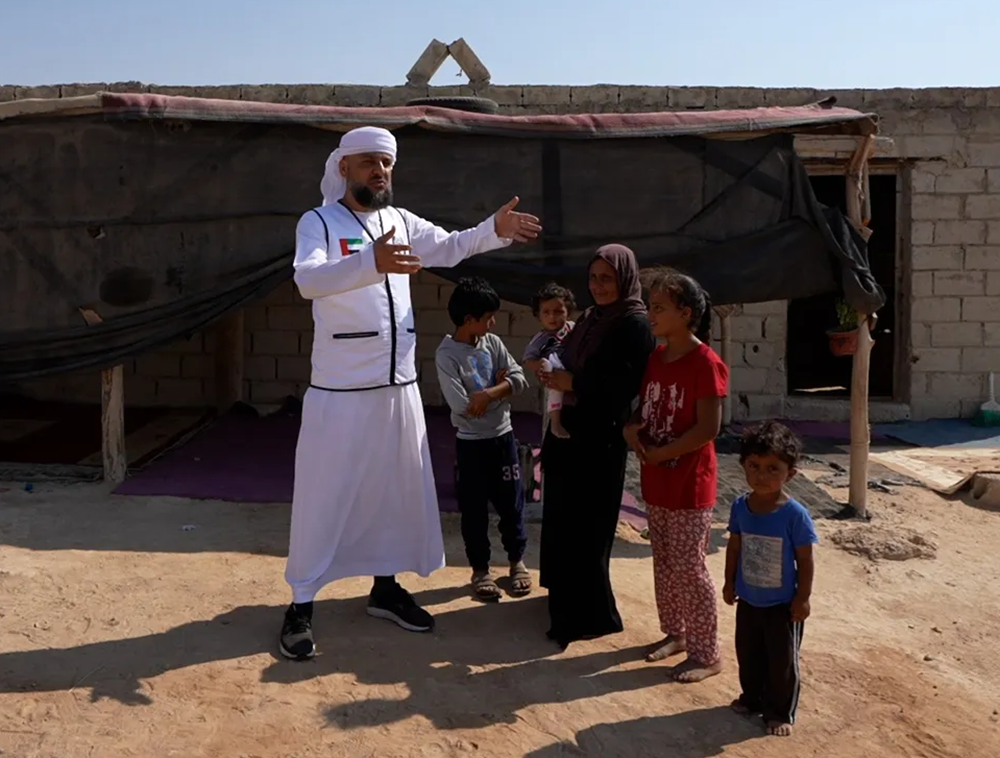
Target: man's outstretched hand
[(394, 259), (511, 225)]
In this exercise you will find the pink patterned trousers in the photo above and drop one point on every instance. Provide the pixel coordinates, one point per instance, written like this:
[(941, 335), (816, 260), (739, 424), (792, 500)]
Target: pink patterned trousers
[(685, 593)]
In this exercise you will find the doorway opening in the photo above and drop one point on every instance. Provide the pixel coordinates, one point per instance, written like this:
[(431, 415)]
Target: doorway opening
[(812, 370)]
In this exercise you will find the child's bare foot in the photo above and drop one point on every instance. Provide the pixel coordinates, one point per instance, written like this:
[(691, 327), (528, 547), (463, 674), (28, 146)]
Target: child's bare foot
[(558, 430), (668, 646), (779, 729), (690, 671)]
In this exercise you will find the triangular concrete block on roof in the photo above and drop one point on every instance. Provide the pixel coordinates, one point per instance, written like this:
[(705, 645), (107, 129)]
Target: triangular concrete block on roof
[(436, 53)]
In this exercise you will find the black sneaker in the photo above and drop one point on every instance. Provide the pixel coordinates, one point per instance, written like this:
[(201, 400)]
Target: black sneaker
[(397, 605), (296, 633)]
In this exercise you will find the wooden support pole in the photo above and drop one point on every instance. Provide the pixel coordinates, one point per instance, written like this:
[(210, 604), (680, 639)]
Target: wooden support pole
[(113, 424), (860, 429), (229, 361)]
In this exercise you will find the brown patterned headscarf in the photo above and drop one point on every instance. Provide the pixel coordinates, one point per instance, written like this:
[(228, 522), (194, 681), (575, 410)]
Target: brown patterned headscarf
[(598, 321)]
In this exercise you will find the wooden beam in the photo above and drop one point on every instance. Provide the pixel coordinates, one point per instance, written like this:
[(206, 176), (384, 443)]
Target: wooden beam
[(113, 424), (860, 428), (229, 361)]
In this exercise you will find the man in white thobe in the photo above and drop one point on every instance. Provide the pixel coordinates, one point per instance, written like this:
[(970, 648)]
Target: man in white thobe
[(364, 502)]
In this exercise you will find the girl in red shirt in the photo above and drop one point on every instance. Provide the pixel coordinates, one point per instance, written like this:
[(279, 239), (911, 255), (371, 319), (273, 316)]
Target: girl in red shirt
[(672, 432)]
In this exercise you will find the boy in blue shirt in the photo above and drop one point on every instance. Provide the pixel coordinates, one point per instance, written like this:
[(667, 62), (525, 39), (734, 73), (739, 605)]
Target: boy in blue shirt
[(769, 571)]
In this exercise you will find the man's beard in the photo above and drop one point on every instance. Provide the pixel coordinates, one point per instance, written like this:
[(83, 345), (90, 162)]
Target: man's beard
[(368, 198)]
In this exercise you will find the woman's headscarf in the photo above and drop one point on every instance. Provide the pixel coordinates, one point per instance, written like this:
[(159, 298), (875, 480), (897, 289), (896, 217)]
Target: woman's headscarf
[(599, 320)]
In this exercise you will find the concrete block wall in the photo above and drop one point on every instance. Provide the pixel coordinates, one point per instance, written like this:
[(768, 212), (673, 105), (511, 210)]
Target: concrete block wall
[(948, 144)]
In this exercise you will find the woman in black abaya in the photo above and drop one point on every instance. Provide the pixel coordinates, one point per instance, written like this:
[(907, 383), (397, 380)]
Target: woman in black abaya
[(605, 356)]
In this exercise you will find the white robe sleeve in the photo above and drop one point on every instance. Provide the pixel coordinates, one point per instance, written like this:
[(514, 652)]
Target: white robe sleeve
[(440, 249), (318, 274)]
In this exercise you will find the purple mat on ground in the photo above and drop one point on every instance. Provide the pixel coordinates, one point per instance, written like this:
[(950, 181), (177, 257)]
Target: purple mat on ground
[(252, 460), (831, 431)]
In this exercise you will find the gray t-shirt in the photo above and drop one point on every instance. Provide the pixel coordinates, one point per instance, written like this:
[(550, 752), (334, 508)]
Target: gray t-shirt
[(464, 370)]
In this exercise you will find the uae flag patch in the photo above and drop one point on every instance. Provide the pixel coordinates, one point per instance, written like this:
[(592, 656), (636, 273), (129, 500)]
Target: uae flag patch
[(350, 246)]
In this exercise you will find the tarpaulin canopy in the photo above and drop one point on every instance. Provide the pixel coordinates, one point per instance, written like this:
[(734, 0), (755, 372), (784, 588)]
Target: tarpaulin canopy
[(160, 214)]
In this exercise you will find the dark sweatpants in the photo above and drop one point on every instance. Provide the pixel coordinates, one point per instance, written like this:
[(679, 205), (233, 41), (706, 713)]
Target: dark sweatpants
[(489, 471), (767, 649)]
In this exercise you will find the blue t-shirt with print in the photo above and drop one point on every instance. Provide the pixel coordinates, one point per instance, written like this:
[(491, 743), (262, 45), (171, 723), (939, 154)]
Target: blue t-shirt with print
[(766, 574)]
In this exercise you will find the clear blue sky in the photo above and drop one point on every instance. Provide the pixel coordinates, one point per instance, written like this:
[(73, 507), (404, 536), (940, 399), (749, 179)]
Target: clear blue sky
[(765, 43)]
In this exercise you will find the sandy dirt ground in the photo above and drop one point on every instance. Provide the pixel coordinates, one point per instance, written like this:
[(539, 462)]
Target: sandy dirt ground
[(147, 627)]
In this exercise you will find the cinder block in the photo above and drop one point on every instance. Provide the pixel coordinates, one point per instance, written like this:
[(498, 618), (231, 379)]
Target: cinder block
[(930, 146), (434, 323), (198, 366), (982, 258), (469, 62), (761, 354), (140, 392), (993, 180), (275, 343), (934, 310), (360, 96), (948, 97), (993, 285), (959, 232), (158, 364), (180, 392), (746, 328), (846, 98), (424, 295), (506, 95), (260, 367), (292, 318), (601, 98), (938, 258), (984, 153), (264, 93), (922, 233), (980, 359), (930, 406), (754, 407), (920, 335), (523, 325), (297, 368), (502, 326), (398, 96), (934, 207), (692, 98), (306, 342), (775, 328), (133, 86), (959, 282), (956, 386), (728, 98), (982, 206), (45, 92), (770, 308), (283, 294), (961, 181), (937, 358), (430, 393), (993, 232), (430, 60), (980, 309), (960, 334), (991, 334), (7, 93), (633, 99), (790, 96), (984, 122), (747, 379), (922, 284), (75, 90), (891, 98), (922, 179), (313, 94)]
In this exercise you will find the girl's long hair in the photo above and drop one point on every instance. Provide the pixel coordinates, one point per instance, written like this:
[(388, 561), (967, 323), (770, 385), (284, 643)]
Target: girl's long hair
[(685, 292)]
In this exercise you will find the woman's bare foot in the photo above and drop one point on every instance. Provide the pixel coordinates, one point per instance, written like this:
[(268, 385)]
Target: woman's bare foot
[(668, 646), (779, 729), (690, 671)]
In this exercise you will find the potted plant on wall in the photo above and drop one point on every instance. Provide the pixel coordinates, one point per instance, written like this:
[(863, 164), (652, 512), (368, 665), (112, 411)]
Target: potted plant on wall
[(844, 339)]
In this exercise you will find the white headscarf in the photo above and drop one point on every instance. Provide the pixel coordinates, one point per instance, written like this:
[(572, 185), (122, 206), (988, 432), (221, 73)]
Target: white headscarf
[(366, 139)]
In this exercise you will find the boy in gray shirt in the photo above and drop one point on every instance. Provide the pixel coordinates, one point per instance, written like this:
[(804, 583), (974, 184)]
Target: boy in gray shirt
[(477, 375)]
